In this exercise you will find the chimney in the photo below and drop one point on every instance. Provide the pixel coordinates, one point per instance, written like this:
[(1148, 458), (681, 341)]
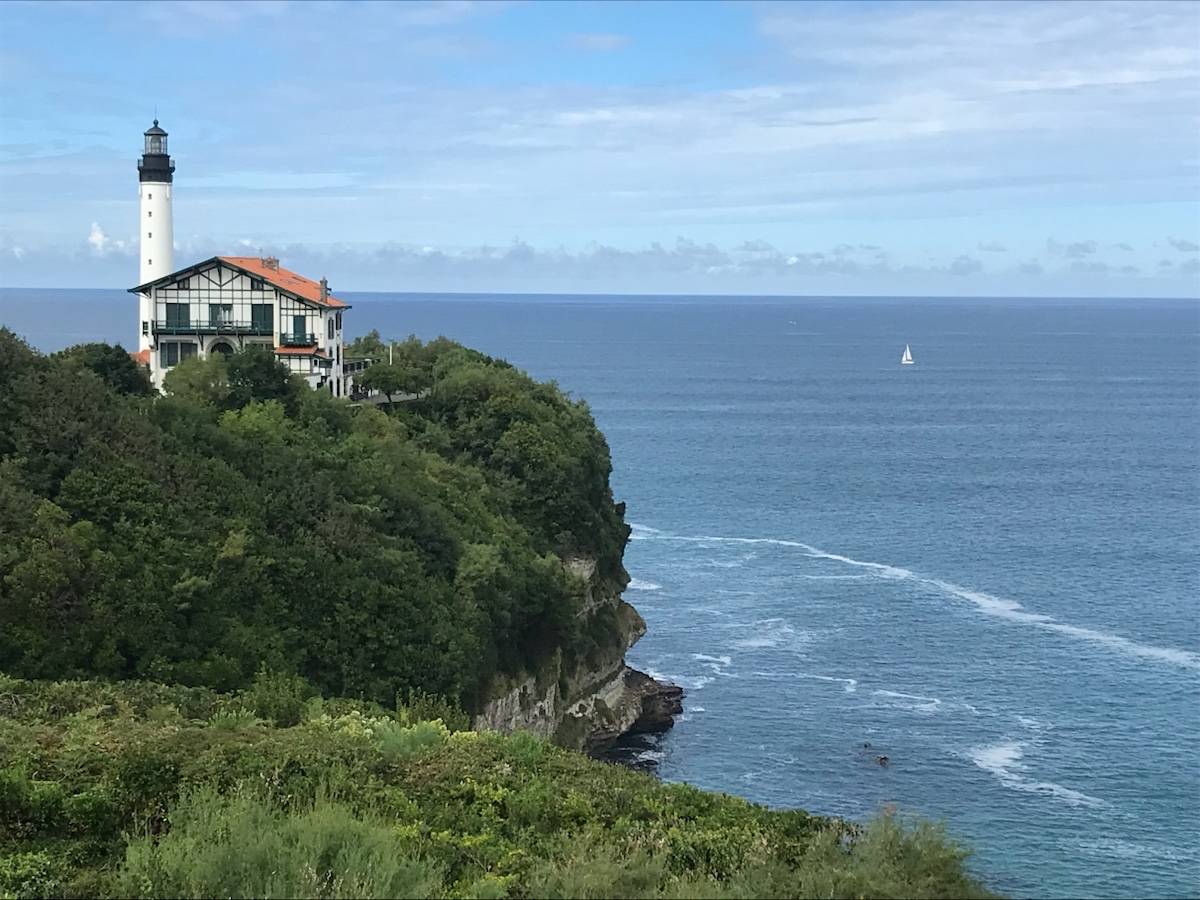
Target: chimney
[(324, 290), (271, 262)]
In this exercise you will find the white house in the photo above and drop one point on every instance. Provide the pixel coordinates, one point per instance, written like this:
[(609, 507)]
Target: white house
[(225, 303)]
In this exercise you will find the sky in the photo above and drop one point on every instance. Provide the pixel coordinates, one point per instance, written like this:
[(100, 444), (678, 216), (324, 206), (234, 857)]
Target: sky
[(893, 148)]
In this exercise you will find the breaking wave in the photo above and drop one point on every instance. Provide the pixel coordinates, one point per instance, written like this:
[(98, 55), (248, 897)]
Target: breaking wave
[(988, 604), (1003, 760), (636, 584)]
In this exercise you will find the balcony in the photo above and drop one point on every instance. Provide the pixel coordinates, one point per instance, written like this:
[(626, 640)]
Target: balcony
[(178, 326), (298, 339)]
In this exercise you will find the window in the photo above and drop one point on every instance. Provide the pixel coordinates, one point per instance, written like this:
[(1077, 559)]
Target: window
[(262, 317), (329, 328), (149, 214), (220, 313), (177, 315), (150, 234), (339, 321), (145, 328), (183, 284), (150, 196), (256, 284), (172, 353), (149, 262)]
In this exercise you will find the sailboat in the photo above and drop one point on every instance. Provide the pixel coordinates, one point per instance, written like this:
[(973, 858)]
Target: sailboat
[(906, 358)]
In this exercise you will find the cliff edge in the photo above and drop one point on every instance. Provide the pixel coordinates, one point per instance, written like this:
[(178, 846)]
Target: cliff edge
[(585, 697)]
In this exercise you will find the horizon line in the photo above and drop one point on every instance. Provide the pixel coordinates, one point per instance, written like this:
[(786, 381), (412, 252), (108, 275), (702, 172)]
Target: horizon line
[(697, 296)]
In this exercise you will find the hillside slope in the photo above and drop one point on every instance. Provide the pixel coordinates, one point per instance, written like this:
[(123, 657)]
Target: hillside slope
[(138, 789)]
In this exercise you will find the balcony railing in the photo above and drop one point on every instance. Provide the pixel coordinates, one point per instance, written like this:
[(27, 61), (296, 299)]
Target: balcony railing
[(299, 339), (175, 326)]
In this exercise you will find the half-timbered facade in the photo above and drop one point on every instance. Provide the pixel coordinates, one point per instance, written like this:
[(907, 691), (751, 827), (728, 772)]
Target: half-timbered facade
[(225, 303)]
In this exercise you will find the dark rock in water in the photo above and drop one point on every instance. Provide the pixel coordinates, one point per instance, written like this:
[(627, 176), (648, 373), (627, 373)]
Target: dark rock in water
[(882, 760), (641, 752), (634, 704), (661, 702)]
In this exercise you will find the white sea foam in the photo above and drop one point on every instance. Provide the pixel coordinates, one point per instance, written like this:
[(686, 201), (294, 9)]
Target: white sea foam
[(849, 685), (989, 604), (1131, 849), (688, 682), (835, 577), (636, 584), (719, 660), (910, 701), (1003, 760), (642, 532)]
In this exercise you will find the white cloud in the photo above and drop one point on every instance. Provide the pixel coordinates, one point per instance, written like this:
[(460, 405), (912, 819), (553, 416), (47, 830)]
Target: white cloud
[(103, 245), (598, 42)]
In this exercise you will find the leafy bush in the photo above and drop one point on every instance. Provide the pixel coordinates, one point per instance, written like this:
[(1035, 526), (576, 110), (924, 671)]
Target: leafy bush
[(32, 874), (278, 697), (245, 846), (233, 718), (419, 706), (402, 742)]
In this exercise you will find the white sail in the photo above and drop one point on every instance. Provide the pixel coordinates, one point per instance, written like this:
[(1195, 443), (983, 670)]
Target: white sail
[(906, 359)]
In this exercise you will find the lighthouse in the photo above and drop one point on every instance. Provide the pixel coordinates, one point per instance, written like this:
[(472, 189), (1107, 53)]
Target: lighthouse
[(156, 234)]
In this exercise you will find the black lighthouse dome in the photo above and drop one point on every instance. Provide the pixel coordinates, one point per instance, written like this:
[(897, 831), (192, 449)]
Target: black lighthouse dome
[(155, 164)]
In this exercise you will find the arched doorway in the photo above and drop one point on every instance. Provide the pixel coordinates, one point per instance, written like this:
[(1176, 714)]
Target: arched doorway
[(221, 347)]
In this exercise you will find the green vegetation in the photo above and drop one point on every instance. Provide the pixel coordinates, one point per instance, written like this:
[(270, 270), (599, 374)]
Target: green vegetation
[(216, 565), (244, 520), (143, 790)]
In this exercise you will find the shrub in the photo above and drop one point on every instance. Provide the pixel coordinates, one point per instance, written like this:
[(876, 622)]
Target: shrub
[(400, 742), (243, 846), (278, 697), (233, 718), (414, 705), (595, 872), (34, 874)]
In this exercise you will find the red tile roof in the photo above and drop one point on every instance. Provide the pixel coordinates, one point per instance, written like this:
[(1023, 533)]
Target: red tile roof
[(286, 279), (141, 357)]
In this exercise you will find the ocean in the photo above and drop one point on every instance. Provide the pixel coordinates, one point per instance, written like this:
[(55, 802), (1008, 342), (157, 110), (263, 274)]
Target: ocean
[(984, 567)]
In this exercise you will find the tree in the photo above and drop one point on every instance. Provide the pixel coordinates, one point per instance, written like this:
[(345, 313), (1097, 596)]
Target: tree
[(255, 374), (112, 363), (204, 381), (368, 346), (401, 377)]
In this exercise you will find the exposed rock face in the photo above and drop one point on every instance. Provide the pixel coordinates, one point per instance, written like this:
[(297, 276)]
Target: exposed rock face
[(589, 703)]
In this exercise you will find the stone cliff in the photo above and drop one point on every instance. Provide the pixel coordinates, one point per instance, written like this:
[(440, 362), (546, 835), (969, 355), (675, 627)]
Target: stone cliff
[(586, 699)]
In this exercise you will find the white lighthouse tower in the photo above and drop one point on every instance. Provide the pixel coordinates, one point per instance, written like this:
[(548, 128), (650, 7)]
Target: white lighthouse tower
[(156, 234)]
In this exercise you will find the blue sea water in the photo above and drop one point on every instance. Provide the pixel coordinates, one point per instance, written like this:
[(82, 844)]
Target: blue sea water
[(986, 566)]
